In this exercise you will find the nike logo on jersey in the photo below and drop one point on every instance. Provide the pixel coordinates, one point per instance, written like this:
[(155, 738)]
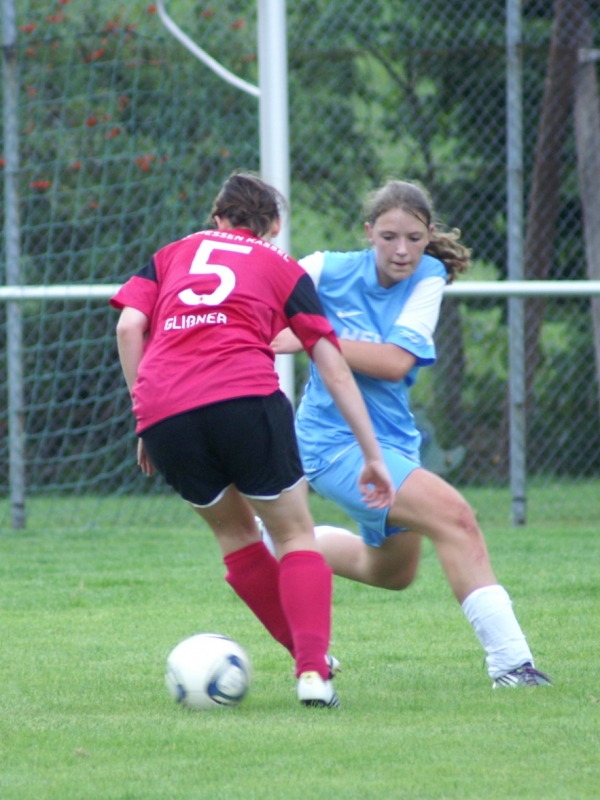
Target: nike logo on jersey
[(345, 314)]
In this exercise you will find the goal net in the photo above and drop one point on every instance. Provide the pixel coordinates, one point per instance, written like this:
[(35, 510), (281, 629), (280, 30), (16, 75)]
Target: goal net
[(124, 141), (125, 137)]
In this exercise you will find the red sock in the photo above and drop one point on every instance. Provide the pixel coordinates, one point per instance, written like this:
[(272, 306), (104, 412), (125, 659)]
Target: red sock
[(305, 588), (253, 573)]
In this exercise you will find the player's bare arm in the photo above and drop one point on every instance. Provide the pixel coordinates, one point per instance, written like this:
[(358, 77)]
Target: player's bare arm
[(131, 332), (385, 361), (375, 482), (286, 342), (132, 328)]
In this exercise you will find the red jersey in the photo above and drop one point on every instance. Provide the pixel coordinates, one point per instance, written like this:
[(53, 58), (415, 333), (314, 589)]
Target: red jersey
[(215, 300)]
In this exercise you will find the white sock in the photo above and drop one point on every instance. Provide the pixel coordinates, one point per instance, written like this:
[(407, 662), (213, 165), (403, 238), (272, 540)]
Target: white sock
[(489, 610), (321, 530), (266, 536)]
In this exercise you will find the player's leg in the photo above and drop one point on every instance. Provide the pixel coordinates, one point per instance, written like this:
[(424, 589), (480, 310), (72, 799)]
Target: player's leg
[(252, 572), (424, 505), (381, 556), (182, 452), (231, 519), (429, 506), (276, 488), (288, 519), (292, 599), (202, 454), (305, 588), (393, 565), (255, 574)]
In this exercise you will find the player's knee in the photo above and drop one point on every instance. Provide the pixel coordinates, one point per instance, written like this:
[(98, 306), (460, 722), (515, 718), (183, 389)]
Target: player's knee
[(464, 530), (399, 578), (466, 520), (457, 524)]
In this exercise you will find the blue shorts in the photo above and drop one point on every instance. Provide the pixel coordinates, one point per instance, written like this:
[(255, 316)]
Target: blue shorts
[(338, 481)]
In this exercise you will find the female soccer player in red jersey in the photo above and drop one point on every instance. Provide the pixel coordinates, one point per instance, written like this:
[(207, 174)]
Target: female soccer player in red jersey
[(194, 342)]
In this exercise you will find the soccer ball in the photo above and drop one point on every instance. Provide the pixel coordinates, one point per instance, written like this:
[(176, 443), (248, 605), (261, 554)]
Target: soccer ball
[(208, 671)]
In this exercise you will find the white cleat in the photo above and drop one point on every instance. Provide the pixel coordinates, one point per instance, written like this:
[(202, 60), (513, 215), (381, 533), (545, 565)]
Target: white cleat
[(314, 692), (525, 675)]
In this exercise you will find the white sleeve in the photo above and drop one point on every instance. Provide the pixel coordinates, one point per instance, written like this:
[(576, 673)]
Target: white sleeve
[(313, 264), (422, 309)]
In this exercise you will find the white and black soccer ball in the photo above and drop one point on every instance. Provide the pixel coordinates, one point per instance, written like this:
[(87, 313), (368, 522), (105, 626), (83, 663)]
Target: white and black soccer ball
[(208, 671)]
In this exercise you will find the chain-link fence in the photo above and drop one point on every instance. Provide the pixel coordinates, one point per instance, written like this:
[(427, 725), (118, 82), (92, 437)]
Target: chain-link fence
[(124, 138)]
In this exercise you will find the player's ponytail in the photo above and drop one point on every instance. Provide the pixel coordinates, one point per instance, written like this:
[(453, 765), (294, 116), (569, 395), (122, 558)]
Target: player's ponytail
[(248, 202), (414, 199), (453, 254)]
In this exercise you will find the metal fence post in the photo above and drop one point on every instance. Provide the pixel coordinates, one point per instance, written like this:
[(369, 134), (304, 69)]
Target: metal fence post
[(10, 87), (516, 309)]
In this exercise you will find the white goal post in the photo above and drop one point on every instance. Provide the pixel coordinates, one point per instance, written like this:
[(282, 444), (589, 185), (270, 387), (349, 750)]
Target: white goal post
[(272, 95)]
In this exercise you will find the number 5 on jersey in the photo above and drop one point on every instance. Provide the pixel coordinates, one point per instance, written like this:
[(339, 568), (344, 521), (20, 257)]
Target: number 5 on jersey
[(201, 267)]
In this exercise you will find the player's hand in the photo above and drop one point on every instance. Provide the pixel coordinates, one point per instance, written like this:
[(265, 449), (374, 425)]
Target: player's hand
[(143, 460), (286, 342), (376, 485)]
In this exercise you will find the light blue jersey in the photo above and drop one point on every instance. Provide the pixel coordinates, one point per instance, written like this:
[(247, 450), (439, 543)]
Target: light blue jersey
[(360, 309)]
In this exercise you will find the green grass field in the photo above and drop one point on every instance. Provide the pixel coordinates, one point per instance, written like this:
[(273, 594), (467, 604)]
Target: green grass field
[(89, 613)]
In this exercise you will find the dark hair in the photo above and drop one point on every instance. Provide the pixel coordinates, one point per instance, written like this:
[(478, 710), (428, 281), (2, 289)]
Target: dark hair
[(414, 199), (248, 202)]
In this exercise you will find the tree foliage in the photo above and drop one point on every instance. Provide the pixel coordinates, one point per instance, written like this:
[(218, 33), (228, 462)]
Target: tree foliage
[(125, 138)]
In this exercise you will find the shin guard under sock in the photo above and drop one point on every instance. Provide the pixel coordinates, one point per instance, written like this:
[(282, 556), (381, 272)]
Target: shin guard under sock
[(305, 588), (489, 610), (253, 574)]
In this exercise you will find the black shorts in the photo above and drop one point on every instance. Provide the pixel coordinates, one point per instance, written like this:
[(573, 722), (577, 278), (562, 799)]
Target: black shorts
[(249, 442)]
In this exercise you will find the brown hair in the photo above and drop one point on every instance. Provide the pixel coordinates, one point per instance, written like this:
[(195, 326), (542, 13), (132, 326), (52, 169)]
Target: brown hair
[(248, 202), (414, 199)]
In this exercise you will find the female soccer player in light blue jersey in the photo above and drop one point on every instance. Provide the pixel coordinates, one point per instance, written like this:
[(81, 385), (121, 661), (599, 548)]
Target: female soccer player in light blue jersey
[(383, 303)]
